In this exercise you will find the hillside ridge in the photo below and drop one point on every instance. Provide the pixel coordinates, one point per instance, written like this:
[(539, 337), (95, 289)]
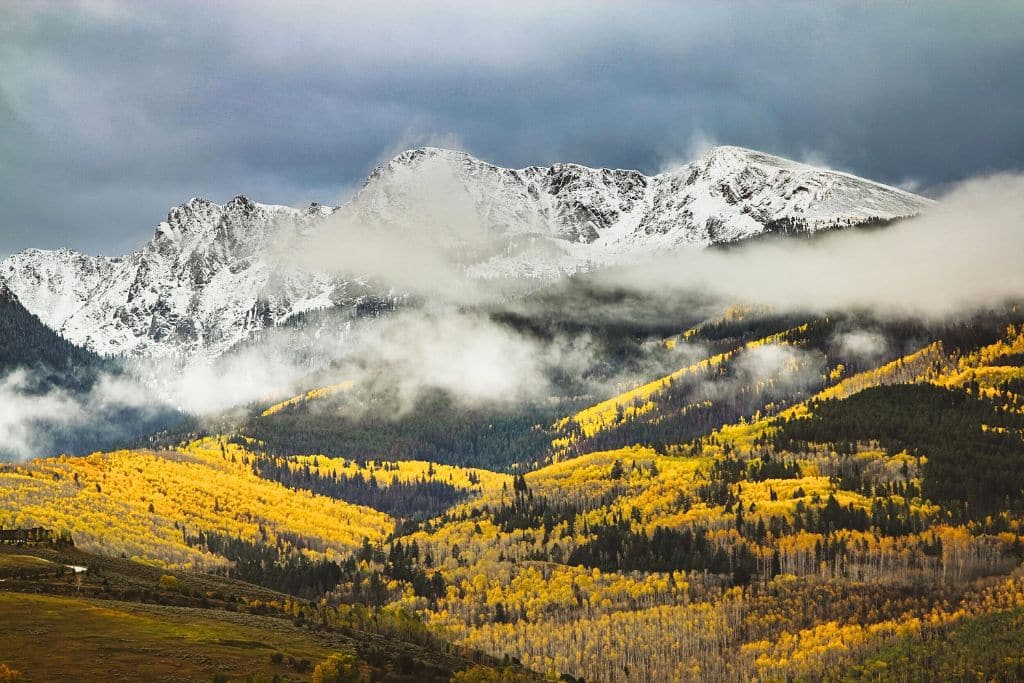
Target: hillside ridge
[(215, 275)]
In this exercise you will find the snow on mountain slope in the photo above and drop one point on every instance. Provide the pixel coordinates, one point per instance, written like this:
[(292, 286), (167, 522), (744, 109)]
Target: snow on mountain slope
[(214, 275), (55, 284), (211, 276), (207, 279), (567, 217), (603, 216)]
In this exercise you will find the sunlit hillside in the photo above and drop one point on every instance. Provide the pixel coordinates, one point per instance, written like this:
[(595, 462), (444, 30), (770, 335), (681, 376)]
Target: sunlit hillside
[(144, 504), (812, 527)]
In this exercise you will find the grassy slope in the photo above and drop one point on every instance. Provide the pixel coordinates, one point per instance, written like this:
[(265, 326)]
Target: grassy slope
[(35, 568), (110, 640), (116, 616), (11, 564)]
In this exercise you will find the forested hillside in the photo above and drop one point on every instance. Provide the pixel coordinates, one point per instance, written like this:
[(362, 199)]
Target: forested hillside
[(435, 428), (806, 497), (25, 342), (510, 342)]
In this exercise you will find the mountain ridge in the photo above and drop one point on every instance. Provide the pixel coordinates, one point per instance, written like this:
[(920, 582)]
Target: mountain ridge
[(214, 275)]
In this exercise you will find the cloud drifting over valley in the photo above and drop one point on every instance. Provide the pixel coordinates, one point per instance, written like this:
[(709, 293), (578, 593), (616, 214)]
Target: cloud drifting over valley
[(35, 417), (960, 257)]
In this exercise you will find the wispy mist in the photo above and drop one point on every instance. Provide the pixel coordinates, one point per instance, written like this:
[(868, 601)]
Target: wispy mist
[(374, 237), (38, 420), (962, 255)]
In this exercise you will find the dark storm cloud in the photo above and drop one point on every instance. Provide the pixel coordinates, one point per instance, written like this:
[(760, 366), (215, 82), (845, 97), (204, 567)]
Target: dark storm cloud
[(110, 113)]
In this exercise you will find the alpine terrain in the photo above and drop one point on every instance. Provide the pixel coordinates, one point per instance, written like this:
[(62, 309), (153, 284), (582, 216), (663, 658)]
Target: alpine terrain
[(214, 275)]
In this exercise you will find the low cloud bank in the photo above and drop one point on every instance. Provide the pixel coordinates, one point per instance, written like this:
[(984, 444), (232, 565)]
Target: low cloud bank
[(37, 419), (963, 255)]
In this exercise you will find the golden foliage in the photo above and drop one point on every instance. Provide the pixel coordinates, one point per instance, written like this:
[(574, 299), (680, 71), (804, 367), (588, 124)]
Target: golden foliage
[(140, 503), (468, 478), (638, 401), (311, 395), (342, 667)]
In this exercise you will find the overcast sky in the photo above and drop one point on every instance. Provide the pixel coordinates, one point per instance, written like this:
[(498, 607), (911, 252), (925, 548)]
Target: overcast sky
[(110, 113)]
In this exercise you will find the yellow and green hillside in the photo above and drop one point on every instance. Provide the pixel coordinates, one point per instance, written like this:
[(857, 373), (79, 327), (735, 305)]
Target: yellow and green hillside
[(779, 507)]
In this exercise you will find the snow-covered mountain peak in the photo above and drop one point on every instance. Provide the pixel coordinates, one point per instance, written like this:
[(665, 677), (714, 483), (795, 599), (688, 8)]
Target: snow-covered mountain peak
[(213, 275), (726, 158), (729, 193), (54, 284)]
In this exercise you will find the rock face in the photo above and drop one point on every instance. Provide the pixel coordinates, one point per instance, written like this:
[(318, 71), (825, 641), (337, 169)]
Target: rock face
[(55, 284), (212, 275), (208, 278)]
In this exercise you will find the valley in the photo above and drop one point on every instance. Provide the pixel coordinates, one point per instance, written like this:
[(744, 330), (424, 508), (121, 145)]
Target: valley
[(786, 505)]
